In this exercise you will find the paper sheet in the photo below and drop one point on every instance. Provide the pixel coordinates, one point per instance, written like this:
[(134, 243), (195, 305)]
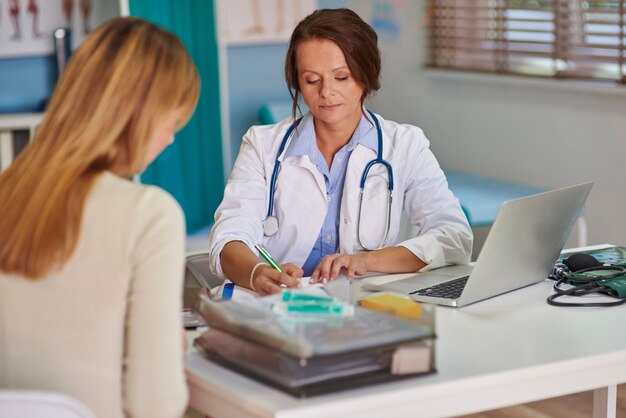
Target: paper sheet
[(338, 288), (304, 282)]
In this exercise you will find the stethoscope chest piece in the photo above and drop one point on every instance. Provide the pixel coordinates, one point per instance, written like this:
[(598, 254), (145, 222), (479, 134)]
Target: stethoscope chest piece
[(270, 226)]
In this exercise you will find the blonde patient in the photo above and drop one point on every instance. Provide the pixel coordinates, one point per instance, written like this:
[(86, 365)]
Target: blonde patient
[(91, 264)]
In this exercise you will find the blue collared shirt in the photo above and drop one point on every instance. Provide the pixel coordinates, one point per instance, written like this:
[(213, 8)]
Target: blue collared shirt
[(306, 144)]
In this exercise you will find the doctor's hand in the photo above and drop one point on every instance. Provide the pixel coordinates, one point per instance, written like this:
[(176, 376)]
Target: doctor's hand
[(332, 265), (267, 280)]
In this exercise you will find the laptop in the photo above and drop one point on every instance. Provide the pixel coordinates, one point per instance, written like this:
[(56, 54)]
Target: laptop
[(524, 243)]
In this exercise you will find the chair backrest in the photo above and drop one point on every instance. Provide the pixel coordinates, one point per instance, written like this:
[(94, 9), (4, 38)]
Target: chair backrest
[(197, 268), (37, 404)]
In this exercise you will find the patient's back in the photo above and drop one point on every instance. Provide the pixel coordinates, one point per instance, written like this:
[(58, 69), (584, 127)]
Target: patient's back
[(90, 330)]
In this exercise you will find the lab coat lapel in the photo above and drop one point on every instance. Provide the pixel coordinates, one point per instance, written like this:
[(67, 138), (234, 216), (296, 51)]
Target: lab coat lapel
[(304, 161), (300, 208)]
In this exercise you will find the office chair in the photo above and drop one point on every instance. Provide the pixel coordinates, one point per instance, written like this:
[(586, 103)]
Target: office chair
[(198, 277), (37, 404), (198, 273)]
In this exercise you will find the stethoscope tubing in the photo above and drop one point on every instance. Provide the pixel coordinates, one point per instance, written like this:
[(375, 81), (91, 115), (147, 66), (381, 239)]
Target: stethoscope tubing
[(270, 223), (283, 144)]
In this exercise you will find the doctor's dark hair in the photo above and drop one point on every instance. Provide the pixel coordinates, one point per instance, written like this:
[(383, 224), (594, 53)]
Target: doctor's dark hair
[(356, 39), (127, 75)]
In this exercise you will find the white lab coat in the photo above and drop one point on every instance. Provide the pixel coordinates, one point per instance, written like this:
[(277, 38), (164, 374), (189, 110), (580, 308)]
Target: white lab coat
[(420, 189)]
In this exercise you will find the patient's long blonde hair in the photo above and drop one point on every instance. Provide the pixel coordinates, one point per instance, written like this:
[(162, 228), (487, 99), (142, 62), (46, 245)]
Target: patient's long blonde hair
[(125, 77)]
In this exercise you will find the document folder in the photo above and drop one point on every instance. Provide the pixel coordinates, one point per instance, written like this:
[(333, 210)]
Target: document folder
[(306, 358)]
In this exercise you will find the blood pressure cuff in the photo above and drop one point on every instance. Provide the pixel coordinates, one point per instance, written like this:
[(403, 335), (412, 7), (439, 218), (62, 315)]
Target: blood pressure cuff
[(617, 286)]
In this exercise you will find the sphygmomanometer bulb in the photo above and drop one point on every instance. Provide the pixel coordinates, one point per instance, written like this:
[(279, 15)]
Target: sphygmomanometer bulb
[(579, 261)]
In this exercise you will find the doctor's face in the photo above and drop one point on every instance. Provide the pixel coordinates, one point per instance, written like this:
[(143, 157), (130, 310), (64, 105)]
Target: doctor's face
[(328, 88)]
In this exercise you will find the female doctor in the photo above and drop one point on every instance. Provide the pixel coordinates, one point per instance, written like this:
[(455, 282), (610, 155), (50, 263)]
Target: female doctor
[(324, 193)]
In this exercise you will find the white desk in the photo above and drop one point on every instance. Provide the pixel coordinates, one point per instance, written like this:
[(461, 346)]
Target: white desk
[(508, 350)]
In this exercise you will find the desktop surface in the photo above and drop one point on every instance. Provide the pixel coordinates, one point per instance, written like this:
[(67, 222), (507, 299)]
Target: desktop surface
[(510, 349)]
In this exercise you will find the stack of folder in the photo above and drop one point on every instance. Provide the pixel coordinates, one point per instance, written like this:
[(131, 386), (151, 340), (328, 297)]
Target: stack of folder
[(309, 355)]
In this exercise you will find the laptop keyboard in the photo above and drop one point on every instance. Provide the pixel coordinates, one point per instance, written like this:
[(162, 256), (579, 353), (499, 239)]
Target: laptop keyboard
[(448, 290)]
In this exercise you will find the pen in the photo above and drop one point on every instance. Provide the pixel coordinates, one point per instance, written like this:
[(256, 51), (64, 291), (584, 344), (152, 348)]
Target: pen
[(267, 257)]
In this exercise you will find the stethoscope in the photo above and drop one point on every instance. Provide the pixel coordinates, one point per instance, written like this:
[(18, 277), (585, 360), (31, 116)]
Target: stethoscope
[(270, 223)]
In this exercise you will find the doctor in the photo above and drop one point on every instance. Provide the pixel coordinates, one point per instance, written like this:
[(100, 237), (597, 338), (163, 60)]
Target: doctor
[(324, 193)]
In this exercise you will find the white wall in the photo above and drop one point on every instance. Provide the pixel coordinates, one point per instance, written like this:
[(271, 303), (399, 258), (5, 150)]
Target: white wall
[(544, 133), (244, 88)]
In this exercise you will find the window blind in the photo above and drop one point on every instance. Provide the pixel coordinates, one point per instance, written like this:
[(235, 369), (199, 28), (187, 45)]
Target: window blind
[(550, 38)]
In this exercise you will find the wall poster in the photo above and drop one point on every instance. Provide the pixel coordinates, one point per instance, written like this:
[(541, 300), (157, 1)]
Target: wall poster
[(245, 22), (27, 26)]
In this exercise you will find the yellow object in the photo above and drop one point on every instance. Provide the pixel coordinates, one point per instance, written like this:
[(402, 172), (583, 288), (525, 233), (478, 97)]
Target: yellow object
[(394, 304)]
